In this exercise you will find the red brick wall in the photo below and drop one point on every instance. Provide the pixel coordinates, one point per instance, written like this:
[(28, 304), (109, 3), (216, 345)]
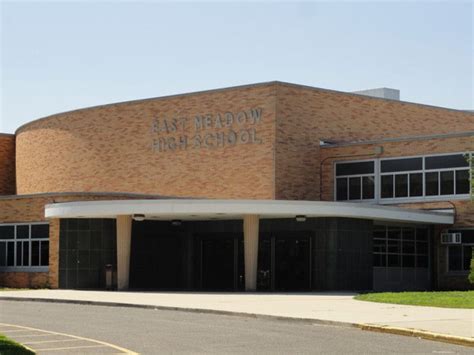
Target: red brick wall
[(7, 164)]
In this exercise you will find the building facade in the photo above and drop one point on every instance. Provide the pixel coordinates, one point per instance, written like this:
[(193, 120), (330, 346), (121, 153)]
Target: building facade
[(271, 187)]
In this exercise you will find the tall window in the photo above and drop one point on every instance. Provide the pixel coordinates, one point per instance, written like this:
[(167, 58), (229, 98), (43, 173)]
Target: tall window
[(459, 256), (400, 247), (24, 245), (355, 181)]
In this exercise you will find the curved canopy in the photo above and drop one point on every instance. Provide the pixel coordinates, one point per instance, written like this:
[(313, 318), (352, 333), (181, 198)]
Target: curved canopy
[(196, 209)]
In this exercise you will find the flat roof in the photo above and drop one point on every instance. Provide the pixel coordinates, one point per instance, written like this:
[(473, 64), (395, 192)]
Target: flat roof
[(237, 87)]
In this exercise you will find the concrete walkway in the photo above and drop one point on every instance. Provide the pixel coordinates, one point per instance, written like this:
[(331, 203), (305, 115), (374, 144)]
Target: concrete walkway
[(332, 307)]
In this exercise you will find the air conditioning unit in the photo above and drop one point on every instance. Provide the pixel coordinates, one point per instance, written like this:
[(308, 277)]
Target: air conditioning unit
[(450, 238)]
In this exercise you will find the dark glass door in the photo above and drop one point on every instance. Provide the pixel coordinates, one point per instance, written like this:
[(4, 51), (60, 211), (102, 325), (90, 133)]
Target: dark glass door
[(218, 269), (292, 263), (221, 262), (265, 265)]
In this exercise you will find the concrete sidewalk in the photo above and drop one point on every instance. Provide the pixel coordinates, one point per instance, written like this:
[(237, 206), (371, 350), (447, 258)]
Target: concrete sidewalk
[(331, 307)]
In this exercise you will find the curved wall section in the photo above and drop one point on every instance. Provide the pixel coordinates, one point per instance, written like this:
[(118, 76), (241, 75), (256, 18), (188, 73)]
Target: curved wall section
[(7, 164), (212, 144)]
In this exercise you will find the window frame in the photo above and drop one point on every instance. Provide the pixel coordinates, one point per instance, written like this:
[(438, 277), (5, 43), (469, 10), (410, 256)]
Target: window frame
[(29, 241), (360, 176), (401, 254), (404, 199), (462, 245)]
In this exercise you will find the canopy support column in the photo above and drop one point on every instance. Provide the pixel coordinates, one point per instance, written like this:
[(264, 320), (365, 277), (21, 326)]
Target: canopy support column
[(251, 224)]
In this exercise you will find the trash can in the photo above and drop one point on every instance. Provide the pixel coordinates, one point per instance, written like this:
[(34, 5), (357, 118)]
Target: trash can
[(109, 272)]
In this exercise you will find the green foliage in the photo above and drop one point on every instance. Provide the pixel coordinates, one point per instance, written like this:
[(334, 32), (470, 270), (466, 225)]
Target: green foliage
[(471, 274), (9, 347), (449, 299)]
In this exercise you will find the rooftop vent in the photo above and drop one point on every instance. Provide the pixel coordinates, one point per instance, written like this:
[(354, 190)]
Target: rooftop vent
[(384, 93)]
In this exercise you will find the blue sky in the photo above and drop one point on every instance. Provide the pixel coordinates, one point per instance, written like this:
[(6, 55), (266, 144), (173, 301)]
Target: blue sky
[(59, 56)]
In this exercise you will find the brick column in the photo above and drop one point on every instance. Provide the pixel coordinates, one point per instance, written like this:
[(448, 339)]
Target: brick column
[(124, 239), (251, 251)]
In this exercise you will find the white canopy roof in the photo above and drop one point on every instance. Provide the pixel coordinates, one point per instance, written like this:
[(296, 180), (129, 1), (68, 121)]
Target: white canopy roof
[(195, 209)]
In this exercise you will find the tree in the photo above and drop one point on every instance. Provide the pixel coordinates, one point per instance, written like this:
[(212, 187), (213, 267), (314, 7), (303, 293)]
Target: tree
[(470, 159), (471, 274)]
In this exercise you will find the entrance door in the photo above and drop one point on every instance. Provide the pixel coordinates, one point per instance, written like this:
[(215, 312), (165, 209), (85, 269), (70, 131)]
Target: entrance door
[(292, 263), (221, 263), (156, 262)]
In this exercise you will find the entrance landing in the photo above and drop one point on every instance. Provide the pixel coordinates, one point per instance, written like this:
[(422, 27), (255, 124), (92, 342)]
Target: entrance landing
[(331, 307)]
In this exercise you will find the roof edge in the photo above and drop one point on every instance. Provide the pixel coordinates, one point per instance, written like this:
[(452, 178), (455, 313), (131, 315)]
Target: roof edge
[(91, 193), (400, 139), (239, 87)]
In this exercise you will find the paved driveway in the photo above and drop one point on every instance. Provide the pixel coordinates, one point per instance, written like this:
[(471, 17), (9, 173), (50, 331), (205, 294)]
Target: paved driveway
[(151, 331), (338, 307)]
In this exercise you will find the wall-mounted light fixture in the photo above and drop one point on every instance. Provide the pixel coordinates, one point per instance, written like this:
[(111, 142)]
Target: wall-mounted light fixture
[(300, 218), (176, 222), (138, 217)]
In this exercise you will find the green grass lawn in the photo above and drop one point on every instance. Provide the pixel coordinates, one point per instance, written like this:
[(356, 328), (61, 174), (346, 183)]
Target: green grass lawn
[(9, 347), (450, 299)]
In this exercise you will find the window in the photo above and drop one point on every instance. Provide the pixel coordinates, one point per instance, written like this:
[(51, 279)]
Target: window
[(355, 181), (444, 175), (24, 245), (459, 256), (392, 180), (400, 247)]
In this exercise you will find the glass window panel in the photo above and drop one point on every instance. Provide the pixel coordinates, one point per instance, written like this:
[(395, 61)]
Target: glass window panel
[(467, 235), (44, 253), (380, 233), (19, 254), (467, 254), (394, 233), (341, 189), (422, 234), (431, 182), (422, 248), (3, 253), (447, 182), (408, 260), (394, 246), (22, 232), (408, 234), (455, 256), (354, 188), (422, 261), (380, 246), (416, 184), (393, 165), (408, 247), (26, 253), (368, 187), (387, 186), (462, 182), (393, 260), (401, 185), (446, 161), (35, 253), (7, 232), (10, 254), (39, 231), (359, 168)]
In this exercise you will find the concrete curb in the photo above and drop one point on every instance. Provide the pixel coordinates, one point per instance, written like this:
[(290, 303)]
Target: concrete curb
[(445, 338), (185, 309)]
